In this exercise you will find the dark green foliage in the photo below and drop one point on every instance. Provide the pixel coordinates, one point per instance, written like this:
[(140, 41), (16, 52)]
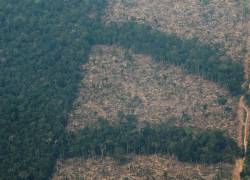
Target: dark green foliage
[(222, 100), (42, 46), (125, 137), (246, 170), (245, 4), (194, 56), (247, 98), (204, 2), (245, 174)]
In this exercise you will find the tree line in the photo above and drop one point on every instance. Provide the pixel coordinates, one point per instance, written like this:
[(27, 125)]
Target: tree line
[(42, 47), (245, 174), (126, 137), (208, 61)]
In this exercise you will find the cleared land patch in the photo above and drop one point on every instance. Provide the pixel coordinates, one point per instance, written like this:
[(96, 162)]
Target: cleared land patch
[(115, 81), (139, 167), (213, 22), (118, 81)]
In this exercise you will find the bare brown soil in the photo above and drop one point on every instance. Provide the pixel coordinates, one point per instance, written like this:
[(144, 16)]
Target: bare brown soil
[(116, 80), (246, 123), (140, 168), (238, 167), (119, 81), (217, 22)]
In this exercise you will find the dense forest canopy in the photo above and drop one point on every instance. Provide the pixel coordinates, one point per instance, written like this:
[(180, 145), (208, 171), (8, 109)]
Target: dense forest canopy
[(43, 44), (127, 137)]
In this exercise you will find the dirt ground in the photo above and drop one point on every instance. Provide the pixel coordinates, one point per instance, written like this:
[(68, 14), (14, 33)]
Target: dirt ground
[(139, 168), (116, 80), (218, 21)]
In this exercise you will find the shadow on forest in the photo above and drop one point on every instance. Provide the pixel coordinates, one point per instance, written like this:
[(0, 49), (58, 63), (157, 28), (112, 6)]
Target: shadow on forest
[(126, 137), (42, 48), (208, 61)]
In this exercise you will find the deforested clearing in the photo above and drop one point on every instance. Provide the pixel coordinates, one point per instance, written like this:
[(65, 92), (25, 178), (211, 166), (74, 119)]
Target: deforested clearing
[(118, 81), (139, 167), (212, 21), (124, 89)]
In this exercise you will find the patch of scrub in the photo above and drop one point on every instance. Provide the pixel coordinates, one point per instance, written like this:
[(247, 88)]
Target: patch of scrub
[(212, 21), (118, 81), (139, 167)]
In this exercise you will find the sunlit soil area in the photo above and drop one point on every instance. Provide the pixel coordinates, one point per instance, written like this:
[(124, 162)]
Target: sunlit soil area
[(117, 81), (212, 21), (139, 167)]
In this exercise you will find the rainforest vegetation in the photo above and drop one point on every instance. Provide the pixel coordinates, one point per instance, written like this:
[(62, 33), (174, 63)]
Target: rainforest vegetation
[(126, 137), (196, 57), (245, 174), (42, 47)]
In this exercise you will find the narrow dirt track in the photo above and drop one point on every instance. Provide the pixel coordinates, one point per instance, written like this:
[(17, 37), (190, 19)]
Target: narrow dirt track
[(244, 122), (237, 169), (246, 129), (239, 163)]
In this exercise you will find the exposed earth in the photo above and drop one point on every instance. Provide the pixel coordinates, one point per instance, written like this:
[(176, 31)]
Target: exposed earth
[(116, 80)]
